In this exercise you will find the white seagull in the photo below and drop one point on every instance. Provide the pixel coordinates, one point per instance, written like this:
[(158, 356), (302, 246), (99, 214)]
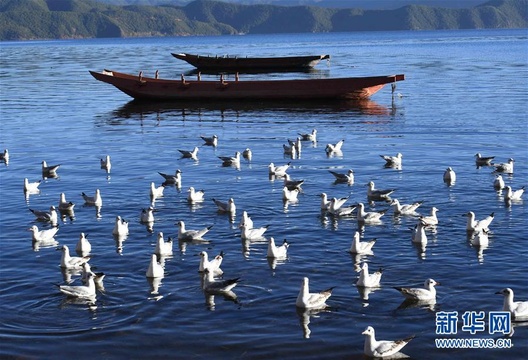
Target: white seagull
[(382, 348), (498, 183), (278, 170), (95, 200), (289, 150), (361, 247), (172, 179), (309, 136), (147, 215), (105, 163), (369, 280), (477, 225), (518, 309), (189, 235), (65, 205), (513, 194), (155, 270), (405, 209), (292, 184), (83, 246), (418, 233), (212, 285), (369, 216), (231, 160), (50, 216), (377, 194), (247, 154), (210, 141), (290, 195), (506, 168), (483, 160), (80, 291), (213, 265), (226, 207), (308, 300), (245, 220), (71, 262), (449, 176), (120, 227), (393, 161), (334, 148), (427, 293), (343, 178), (43, 235), (31, 187), (163, 248), (336, 208), (193, 154), (253, 233), (277, 252), (156, 191), (430, 220), (194, 195)]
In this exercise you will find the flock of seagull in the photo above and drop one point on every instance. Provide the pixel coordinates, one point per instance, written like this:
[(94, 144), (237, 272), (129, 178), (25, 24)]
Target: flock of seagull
[(212, 281)]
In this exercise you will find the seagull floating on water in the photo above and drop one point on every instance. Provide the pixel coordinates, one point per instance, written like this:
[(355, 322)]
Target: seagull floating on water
[(65, 205), (278, 170), (253, 233), (369, 280), (172, 179), (361, 247), (4, 157), (31, 187), (195, 196), (277, 252), (498, 183), (80, 291), (213, 265), (289, 195), (163, 248), (245, 220), (189, 235), (247, 154), (231, 160), (343, 178), (193, 154), (289, 150), (83, 247), (513, 194), (382, 348), (296, 144), (405, 209), (336, 208), (308, 300), (369, 216), (392, 161), (46, 216), (155, 270), (212, 285), (106, 164), (377, 194), (477, 225), (518, 309), (449, 176), (156, 191), (292, 184), (420, 294), (333, 148), (483, 160), (120, 227), (95, 200), (226, 207), (49, 171), (71, 262), (430, 220), (418, 233), (43, 235), (506, 168), (210, 141), (309, 136)]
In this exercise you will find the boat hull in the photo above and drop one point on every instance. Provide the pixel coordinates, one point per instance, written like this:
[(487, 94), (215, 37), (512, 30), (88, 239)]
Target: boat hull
[(144, 88), (225, 63)]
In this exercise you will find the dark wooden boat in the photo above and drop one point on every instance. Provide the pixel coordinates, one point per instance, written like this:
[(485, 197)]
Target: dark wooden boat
[(146, 88), (235, 63)]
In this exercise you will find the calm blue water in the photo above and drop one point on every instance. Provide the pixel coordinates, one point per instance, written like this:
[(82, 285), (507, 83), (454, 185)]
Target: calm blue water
[(465, 92)]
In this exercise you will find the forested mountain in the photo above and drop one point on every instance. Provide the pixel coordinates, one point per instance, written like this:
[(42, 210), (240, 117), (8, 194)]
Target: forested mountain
[(62, 19)]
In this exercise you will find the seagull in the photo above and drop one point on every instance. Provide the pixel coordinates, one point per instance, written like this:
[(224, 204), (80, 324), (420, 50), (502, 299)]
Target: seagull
[(231, 160), (105, 163), (50, 216), (278, 170), (210, 141), (172, 179), (213, 265), (334, 148), (369, 216), (420, 294), (474, 225), (392, 161), (120, 227), (4, 157), (80, 291), (513, 194), (211, 285), (483, 160), (31, 187), (309, 136), (226, 207), (336, 208), (49, 171), (518, 309), (156, 192), (147, 215), (253, 233), (430, 220), (376, 194), (292, 184), (189, 235), (369, 280), (479, 238), (277, 252), (498, 183), (163, 248), (71, 262), (449, 176), (296, 144), (418, 233), (405, 209), (95, 200), (247, 154), (195, 196), (190, 154), (289, 150), (382, 348), (65, 205), (83, 246), (361, 247), (308, 300), (245, 220), (342, 178), (506, 168), (289, 195), (155, 270), (43, 235)]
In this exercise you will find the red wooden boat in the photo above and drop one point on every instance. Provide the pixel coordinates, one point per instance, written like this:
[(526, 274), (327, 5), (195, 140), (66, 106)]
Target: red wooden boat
[(235, 63), (146, 88)]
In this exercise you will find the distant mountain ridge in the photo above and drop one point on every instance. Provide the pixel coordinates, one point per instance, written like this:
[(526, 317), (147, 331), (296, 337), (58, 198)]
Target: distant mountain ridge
[(66, 19)]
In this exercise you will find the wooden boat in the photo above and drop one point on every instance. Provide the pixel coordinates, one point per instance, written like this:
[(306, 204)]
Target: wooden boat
[(235, 63), (146, 88)]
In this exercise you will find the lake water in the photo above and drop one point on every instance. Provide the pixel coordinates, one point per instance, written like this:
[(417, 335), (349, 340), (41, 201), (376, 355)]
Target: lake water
[(465, 92)]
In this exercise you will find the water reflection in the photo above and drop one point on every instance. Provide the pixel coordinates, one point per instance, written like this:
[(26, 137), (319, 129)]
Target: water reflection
[(304, 319)]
